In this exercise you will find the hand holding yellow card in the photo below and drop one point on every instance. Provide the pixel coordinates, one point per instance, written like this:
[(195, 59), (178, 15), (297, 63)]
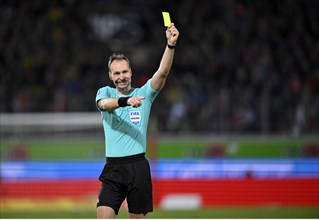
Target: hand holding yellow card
[(167, 19)]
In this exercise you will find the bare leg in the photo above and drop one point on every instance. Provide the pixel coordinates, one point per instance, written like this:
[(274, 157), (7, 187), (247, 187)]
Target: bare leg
[(105, 212), (137, 215)]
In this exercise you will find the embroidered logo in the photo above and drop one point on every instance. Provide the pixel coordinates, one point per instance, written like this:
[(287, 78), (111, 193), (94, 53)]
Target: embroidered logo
[(135, 117)]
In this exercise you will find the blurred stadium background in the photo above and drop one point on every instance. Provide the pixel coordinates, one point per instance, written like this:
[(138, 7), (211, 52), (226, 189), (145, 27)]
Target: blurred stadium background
[(234, 134)]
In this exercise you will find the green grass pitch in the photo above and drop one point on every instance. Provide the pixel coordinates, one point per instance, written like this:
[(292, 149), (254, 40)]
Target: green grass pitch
[(86, 150), (258, 212)]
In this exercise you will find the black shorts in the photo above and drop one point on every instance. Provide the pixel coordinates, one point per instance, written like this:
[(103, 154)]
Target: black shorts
[(130, 178)]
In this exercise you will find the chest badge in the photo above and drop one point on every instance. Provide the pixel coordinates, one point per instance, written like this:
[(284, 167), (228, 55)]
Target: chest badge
[(135, 117)]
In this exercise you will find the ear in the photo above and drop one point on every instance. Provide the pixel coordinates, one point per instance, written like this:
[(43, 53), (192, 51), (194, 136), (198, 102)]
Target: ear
[(110, 75)]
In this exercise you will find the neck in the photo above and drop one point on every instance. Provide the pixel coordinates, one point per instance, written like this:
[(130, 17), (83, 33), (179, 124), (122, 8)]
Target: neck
[(124, 91)]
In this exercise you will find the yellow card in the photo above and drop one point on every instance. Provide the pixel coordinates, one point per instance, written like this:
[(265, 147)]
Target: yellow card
[(167, 19)]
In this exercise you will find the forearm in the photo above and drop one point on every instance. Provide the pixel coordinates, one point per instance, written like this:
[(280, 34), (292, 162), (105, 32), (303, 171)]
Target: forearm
[(159, 78), (166, 62), (108, 104)]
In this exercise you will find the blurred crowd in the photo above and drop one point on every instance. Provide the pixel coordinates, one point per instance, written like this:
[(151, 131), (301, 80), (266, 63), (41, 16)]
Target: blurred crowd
[(240, 66)]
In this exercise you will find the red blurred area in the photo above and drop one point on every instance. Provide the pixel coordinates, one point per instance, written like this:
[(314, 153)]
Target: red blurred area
[(285, 192)]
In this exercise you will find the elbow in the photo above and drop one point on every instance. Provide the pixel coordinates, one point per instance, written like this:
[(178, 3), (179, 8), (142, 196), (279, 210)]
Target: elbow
[(103, 105)]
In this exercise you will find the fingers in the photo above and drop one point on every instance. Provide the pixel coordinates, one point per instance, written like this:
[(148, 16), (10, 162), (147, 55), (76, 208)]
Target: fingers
[(135, 101), (172, 30), (141, 97), (171, 25)]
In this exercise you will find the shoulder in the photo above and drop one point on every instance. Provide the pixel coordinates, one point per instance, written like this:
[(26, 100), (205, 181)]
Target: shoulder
[(147, 91), (147, 85), (104, 91), (106, 88)]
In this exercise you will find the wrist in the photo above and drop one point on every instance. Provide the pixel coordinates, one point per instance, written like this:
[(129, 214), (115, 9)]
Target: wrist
[(171, 46), (122, 101)]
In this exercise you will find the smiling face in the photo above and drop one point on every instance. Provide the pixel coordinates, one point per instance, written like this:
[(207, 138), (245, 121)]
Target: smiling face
[(120, 73)]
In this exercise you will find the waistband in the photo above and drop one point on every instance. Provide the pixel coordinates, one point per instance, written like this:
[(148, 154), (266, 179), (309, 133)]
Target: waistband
[(127, 159)]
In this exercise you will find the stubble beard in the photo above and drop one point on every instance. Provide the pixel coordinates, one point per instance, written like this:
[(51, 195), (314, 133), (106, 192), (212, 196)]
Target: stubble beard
[(124, 87)]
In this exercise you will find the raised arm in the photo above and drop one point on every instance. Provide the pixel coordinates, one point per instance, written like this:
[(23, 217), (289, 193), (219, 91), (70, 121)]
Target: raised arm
[(159, 77)]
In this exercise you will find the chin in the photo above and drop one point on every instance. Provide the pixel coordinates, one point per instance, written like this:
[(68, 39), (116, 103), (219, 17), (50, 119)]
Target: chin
[(122, 87)]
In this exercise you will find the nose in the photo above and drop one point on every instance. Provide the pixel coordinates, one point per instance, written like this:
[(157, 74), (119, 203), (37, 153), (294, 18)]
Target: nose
[(121, 77)]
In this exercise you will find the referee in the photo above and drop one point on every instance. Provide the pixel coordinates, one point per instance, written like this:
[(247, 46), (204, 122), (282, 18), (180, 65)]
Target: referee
[(125, 113)]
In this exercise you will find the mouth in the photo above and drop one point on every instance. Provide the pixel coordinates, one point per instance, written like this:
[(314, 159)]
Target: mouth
[(121, 83)]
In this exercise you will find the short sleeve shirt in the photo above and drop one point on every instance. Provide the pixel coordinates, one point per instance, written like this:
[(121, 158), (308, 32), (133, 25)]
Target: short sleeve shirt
[(125, 128)]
